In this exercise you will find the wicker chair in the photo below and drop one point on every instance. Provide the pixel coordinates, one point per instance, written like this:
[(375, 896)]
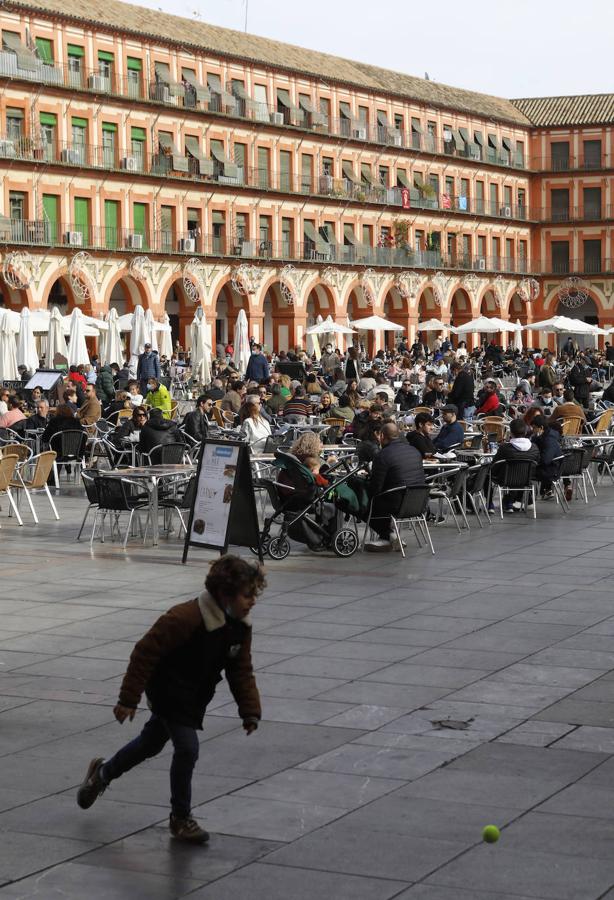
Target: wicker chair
[(41, 467), (8, 465)]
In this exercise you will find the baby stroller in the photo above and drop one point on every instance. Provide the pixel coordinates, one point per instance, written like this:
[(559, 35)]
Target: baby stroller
[(321, 517)]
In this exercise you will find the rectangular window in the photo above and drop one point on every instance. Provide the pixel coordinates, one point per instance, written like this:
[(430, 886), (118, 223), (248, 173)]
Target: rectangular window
[(218, 225), (507, 197), (134, 77), (325, 112), (560, 257), (592, 256), (111, 224), (14, 123), (522, 265), (559, 203), (137, 147), (449, 188), (464, 193), (592, 203), (140, 222), (264, 167), (521, 210), (49, 130), (193, 223), (494, 200), (307, 186), (520, 154), (345, 118), (51, 216), (77, 152), (367, 235), (17, 206), (509, 255), (285, 170), (481, 249), (109, 145), (363, 115), (384, 176), (81, 219), (559, 155), (240, 157), (44, 50), (265, 230), (479, 196), (466, 250), (592, 154), (434, 183), (286, 236), (167, 222), (105, 70), (241, 229), (496, 252), (416, 133)]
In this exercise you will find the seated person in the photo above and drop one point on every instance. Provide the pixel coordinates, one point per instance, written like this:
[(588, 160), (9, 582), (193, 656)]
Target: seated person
[(40, 417), (15, 414), (63, 420), (405, 398), (343, 409), (548, 442), (397, 465), (519, 447), (216, 391), (121, 402), (434, 394), (196, 422), (381, 387), (158, 430), (367, 381), (362, 419), (370, 445), (298, 405), (420, 437), (130, 426), (452, 433), (570, 408), (313, 463), (158, 397), (488, 401), (312, 385), (134, 395), (325, 409), (91, 410)]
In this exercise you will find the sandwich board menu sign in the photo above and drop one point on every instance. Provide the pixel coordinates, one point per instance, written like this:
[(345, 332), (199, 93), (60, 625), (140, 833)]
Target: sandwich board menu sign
[(224, 507)]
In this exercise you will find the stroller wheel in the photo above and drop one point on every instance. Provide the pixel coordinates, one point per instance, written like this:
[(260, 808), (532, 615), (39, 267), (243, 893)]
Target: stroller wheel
[(264, 545), (345, 542), (279, 547)]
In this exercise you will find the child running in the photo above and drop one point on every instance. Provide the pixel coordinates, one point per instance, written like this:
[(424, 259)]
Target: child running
[(178, 665)]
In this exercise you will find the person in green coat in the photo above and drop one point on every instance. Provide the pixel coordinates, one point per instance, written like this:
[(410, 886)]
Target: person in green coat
[(105, 388), (158, 397)]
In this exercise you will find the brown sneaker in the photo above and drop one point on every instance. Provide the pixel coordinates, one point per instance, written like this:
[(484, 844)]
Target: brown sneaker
[(92, 785), (187, 830)]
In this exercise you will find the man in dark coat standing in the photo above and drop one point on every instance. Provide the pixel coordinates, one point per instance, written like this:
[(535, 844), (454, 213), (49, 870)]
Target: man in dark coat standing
[(580, 380), (398, 464), (463, 389), (148, 367), (257, 367)]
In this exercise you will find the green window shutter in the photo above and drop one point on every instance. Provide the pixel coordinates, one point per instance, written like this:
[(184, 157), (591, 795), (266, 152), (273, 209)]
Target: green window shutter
[(51, 203), (48, 119), (284, 170), (75, 50), (78, 122), (109, 126), (106, 56), (82, 217), (138, 134), (134, 64), (139, 219), (45, 49), (111, 223)]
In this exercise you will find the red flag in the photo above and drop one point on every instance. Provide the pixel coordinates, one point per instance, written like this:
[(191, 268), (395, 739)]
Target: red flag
[(405, 200)]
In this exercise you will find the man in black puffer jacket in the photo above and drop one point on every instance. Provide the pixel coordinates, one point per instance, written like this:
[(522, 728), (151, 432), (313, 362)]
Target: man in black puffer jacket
[(398, 464), (158, 430)]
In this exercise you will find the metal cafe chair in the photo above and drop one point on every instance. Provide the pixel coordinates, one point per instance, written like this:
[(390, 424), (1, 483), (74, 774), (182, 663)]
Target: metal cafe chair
[(515, 476), (69, 447), (8, 465), (409, 507), (452, 492), (40, 467), (477, 478), (116, 496)]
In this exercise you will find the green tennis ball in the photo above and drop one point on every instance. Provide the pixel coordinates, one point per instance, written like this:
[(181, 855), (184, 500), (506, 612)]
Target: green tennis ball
[(491, 834)]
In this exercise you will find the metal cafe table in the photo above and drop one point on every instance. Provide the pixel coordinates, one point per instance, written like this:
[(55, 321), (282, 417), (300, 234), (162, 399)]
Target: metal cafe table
[(151, 476)]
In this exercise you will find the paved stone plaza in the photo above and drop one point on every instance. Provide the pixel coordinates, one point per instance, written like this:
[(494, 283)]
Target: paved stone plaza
[(350, 788)]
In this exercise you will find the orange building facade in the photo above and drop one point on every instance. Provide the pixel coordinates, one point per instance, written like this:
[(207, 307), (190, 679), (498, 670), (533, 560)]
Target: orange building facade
[(156, 160)]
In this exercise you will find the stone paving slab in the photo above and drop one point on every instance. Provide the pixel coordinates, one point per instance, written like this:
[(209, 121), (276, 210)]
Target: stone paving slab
[(407, 703)]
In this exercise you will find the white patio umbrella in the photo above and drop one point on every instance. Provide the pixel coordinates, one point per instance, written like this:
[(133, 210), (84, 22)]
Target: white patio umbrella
[(27, 354), (375, 323), (56, 340), (241, 343), (112, 351), (77, 348), (328, 326), (8, 349), (516, 342), (151, 335), (166, 339), (484, 324), (563, 325), (201, 351), (433, 325), (138, 336)]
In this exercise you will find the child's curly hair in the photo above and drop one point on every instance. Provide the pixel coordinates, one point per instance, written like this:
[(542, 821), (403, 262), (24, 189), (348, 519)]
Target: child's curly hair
[(230, 575)]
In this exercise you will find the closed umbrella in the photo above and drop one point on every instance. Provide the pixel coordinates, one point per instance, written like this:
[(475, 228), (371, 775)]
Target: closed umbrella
[(27, 354), (151, 336), (201, 351), (517, 339), (314, 341), (166, 339), (8, 349), (78, 354), (56, 341), (113, 351), (241, 343), (138, 337)]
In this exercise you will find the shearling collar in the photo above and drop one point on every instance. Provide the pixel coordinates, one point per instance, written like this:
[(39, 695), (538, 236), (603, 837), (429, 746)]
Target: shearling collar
[(213, 615)]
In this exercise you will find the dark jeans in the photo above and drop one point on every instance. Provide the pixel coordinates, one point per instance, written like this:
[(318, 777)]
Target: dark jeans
[(151, 741), (380, 519)]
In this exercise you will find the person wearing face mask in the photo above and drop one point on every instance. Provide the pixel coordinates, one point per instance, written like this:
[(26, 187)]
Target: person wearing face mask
[(545, 401), (158, 397), (328, 361), (570, 408)]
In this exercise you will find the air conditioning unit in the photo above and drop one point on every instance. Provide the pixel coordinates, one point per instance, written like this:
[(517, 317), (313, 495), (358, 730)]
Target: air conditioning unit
[(71, 156), (360, 133), (506, 211), (326, 184), (7, 148), (395, 138), (482, 264), (186, 245), (277, 118), (129, 163), (98, 83), (74, 238), (135, 242)]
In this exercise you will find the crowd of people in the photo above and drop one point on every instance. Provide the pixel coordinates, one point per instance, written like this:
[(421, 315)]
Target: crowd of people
[(400, 407)]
